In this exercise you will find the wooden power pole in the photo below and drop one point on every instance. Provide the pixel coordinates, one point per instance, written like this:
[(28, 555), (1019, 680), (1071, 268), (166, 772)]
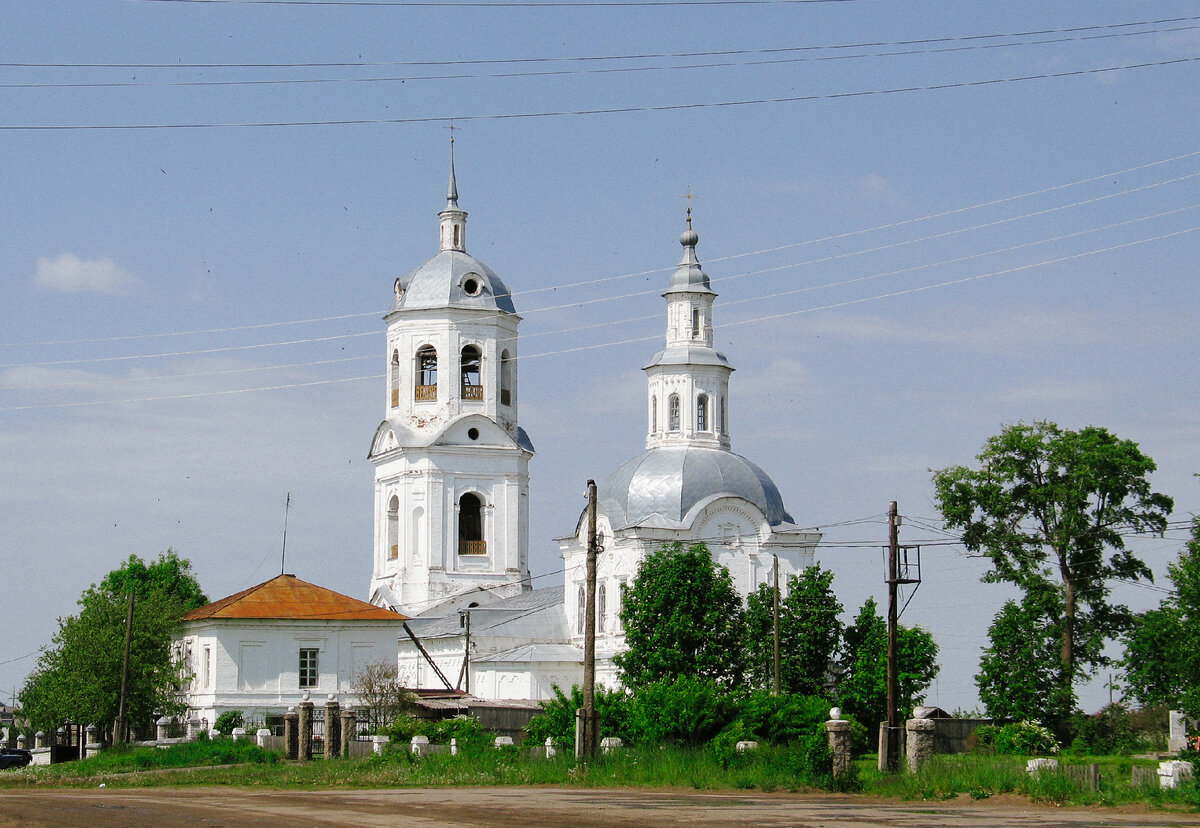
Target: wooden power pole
[(775, 624), (122, 733), (585, 747), (893, 580)]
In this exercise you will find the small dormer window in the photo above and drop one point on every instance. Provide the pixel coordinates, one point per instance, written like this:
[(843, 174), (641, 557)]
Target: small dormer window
[(472, 285)]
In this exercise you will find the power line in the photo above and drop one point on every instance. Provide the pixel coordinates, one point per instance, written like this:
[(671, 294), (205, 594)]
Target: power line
[(727, 64), (711, 261), (621, 110), (598, 58), (501, 3)]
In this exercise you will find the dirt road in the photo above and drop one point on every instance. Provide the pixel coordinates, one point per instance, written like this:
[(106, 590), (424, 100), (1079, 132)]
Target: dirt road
[(527, 808)]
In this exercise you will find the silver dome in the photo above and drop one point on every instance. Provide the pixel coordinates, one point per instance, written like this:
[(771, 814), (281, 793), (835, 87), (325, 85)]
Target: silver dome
[(443, 282), (668, 481)]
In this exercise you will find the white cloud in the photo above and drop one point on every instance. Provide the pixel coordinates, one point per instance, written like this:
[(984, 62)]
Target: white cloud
[(67, 272)]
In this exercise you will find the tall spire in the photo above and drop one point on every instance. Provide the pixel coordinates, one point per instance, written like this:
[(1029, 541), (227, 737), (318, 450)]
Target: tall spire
[(453, 220), (452, 187)]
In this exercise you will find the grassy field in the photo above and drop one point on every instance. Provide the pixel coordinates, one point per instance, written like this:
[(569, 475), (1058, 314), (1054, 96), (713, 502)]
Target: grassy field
[(769, 769)]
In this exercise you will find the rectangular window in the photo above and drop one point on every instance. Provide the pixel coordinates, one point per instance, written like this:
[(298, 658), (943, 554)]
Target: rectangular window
[(308, 667), (207, 667)]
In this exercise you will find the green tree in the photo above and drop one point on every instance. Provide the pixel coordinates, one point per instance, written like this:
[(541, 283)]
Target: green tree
[(863, 686), (1020, 676), (78, 678), (1162, 661), (682, 616), (809, 634), (1051, 507)]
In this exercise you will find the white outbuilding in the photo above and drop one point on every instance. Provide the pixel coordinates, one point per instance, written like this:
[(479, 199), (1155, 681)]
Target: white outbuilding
[(259, 650)]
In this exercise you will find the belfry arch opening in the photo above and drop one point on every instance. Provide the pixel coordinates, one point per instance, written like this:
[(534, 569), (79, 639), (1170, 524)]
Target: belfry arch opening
[(427, 371), (472, 386), (394, 378), (505, 378), (470, 525)]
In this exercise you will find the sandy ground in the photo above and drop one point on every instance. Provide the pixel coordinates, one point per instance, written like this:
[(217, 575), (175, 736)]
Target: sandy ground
[(527, 808)]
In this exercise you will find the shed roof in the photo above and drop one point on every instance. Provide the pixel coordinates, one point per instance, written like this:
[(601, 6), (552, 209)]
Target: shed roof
[(289, 598)]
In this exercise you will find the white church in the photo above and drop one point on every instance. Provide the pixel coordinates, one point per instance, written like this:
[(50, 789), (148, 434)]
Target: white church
[(451, 548), (450, 593)]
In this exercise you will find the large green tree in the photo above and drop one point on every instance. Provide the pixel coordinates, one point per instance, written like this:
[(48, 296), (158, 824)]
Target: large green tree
[(862, 690), (78, 678), (809, 634), (1162, 659), (682, 617), (1051, 508), (1020, 676)]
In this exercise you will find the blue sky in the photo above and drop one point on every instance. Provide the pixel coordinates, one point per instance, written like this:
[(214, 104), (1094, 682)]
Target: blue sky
[(924, 221)]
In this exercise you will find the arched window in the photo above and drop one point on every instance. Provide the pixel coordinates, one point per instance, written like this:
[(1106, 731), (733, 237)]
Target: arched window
[(582, 610), (723, 426), (472, 389), (695, 323), (470, 525), (702, 412), (505, 378), (393, 528), (673, 413), (427, 369), (395, 378), (654, 415), (601, 594)]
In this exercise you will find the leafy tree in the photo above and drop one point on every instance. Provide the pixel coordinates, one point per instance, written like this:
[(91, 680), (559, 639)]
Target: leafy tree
[(863, 686), (1020, 676), (1162, 661), (1050, 507), (681, 616), (809, 634), (78, 678), (381, 696)]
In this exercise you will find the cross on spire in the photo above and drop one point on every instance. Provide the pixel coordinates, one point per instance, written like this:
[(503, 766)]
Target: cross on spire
[(689, 195)]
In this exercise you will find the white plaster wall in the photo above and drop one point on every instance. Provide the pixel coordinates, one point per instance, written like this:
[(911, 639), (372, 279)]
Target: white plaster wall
[(344, 646)]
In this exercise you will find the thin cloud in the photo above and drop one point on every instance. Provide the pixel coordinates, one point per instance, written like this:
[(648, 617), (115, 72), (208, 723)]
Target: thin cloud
[(69, 273)]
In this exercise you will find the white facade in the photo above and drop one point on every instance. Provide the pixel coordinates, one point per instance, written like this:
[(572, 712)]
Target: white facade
[(254, 665), (451, 461)]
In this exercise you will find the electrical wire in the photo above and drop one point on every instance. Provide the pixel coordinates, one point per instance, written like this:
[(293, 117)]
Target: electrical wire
[(676, 67), (620, 110), (598, 58)]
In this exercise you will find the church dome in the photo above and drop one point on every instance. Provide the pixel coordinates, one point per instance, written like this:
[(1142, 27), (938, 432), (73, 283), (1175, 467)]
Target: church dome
[(453, 279), (668, 481)]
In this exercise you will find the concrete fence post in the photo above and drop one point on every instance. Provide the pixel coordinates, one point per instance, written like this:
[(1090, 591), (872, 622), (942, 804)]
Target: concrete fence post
[(22, 741), (349, 725), (291, 733), (419, 746), (304, 747), (93, 740), (837, 731), (550, 751), (162, 728), (919, 747), (261, 735), (333, 728), (238, 734), (40, 740)]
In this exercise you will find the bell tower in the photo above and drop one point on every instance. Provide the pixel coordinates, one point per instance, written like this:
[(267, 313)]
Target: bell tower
[(451, 461)]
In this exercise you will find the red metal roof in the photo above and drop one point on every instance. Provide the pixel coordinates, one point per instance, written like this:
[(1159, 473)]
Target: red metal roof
[(287, 597)]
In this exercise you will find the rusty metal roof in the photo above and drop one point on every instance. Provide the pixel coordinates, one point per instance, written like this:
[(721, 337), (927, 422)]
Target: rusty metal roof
[(289, 598)]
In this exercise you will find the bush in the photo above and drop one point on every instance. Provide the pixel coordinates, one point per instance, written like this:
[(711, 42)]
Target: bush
[(557, 720), (228, 720), (783, 719), (1109, 732), (465, 730), (687, 710), (403, 728), (1016, 739)]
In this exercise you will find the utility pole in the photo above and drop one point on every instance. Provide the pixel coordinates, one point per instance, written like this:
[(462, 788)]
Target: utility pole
[(893, 579), (585, 741), (122, 731), (775, 623)]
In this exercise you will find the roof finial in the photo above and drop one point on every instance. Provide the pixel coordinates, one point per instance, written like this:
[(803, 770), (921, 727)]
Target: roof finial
[(689, 237), (452, 187)]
